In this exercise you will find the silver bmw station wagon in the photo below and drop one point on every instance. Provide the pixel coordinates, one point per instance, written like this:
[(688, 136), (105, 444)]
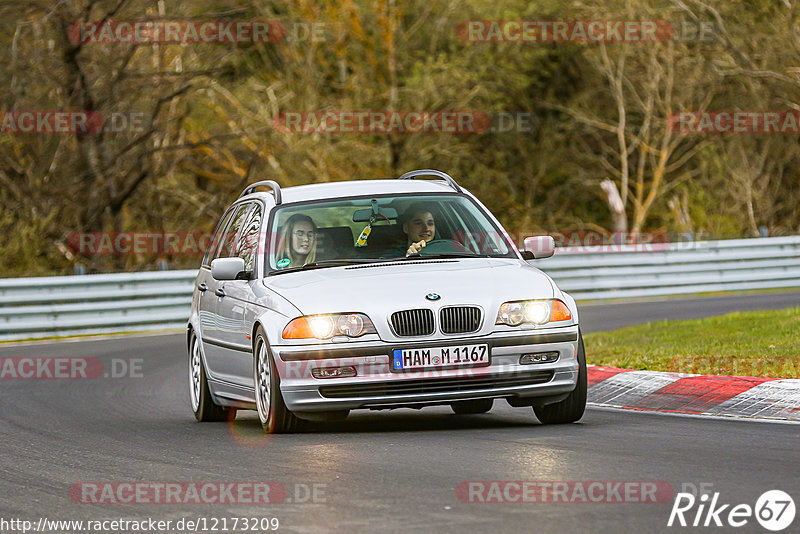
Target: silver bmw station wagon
[(320, 299)]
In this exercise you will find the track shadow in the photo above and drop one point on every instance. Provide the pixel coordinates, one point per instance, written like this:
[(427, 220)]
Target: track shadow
[(402, 420)]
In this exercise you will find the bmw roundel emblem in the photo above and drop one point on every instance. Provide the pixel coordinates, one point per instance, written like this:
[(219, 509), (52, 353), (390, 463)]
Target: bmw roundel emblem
[(432, 296)]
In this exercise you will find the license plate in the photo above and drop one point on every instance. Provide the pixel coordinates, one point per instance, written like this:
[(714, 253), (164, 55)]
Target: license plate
[(440, 357)]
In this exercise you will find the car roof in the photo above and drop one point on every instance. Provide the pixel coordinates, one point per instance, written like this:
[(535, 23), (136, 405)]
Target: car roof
[(354, 188)]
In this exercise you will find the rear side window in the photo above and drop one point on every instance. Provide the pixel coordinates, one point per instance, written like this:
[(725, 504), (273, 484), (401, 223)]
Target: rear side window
[(241, 235), (246, 244), (228, 240), (217, 236)]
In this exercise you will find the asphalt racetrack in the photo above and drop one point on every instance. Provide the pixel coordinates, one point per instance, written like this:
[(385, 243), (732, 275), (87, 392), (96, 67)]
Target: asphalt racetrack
[(388, 471)]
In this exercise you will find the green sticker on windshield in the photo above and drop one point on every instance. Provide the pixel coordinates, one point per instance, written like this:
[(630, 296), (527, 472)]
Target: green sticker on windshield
[(284, 262)]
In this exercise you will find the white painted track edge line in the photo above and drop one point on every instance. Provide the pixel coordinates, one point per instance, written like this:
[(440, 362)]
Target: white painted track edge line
[(732, 418)]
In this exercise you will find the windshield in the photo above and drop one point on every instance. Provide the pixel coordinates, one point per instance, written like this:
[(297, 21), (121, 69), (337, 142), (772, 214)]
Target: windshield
[(381, 228)]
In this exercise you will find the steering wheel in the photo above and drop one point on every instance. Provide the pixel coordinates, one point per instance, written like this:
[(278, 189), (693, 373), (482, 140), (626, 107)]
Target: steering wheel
[(443, 246)]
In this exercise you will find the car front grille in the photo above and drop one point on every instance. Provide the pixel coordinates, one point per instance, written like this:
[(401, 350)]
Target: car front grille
[(437, 385), (460, 319), (409, 323)]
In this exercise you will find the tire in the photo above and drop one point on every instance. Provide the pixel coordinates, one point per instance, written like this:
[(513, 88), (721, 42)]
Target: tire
[(272, 412), (199, 393), (472, 406), (570, 409)]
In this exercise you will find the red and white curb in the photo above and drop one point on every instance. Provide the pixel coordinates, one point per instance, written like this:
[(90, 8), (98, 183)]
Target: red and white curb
[(726, 396)]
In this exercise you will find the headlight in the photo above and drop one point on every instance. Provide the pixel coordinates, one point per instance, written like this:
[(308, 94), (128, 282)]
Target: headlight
[(328, 326), (532, 311)]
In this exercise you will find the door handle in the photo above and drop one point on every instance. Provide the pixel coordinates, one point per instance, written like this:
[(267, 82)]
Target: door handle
[(202, 287), (220, 292)]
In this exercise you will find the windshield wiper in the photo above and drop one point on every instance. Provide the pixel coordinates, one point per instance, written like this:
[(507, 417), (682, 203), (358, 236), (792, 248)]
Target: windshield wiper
[(324, 263), (344, 261), (441, 255)]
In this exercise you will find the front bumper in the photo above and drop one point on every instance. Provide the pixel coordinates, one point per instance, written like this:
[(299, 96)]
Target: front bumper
[(376, 386)]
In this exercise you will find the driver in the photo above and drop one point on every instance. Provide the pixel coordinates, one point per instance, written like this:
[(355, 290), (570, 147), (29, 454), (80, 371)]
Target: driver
[(419, 227)]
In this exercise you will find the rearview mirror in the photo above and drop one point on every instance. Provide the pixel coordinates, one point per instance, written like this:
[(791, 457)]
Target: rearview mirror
[(229, 269), (364, 215), (541, 246)]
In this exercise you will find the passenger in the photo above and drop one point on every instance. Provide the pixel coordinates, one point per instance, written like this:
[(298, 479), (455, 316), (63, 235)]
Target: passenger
[(419, 227), (298, 242)]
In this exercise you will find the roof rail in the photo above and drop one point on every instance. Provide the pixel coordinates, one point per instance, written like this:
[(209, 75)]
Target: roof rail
[(431, 172), (276, 189)]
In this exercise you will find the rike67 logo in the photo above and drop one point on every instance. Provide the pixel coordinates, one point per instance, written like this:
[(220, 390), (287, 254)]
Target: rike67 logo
[(774, 510)]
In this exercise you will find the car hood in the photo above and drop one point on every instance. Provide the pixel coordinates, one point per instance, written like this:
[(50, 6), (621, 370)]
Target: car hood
[(386, 287)]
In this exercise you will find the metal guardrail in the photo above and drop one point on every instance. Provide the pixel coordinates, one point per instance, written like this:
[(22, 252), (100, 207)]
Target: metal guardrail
[(95, 304), (32, 308), (680, 268)]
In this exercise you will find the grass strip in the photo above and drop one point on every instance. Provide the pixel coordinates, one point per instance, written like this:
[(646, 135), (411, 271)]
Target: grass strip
[(760, 343)]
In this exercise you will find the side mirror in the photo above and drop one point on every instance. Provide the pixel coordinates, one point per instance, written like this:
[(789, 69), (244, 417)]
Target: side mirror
[(228, 269), (540, 246)]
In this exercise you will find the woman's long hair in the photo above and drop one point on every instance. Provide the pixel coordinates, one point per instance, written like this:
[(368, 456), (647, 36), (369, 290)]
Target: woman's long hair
[(285, 249)]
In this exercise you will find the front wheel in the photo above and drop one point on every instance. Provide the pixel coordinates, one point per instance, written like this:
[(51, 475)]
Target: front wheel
[(199, 393), (570, 409), (272, 412)]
